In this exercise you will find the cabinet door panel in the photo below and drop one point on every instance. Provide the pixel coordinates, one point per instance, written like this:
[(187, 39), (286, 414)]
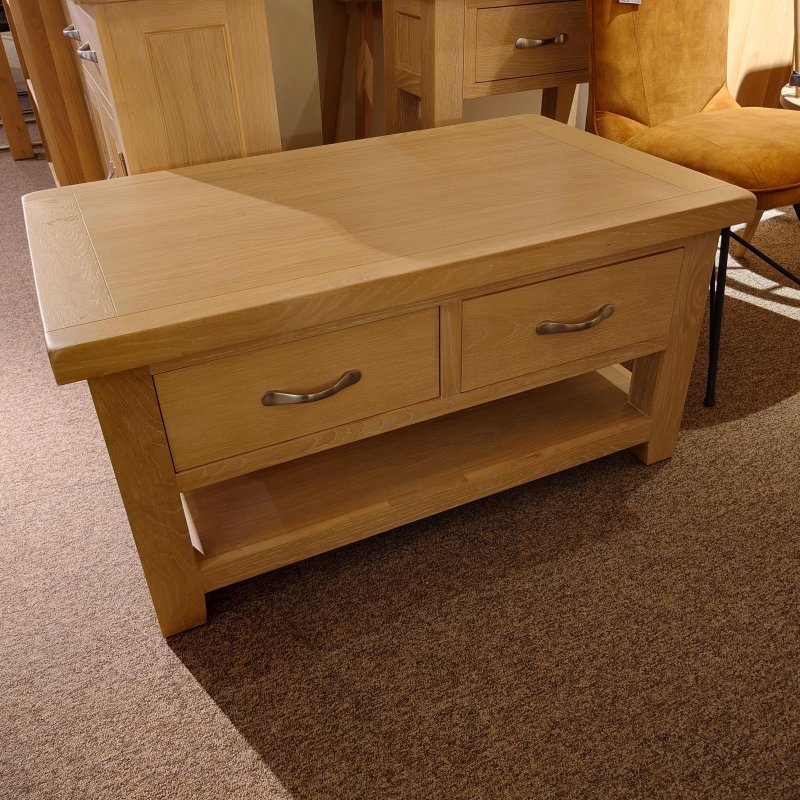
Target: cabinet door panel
[(192, 88)]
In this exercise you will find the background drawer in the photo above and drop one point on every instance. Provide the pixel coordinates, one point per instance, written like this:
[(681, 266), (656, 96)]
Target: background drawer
[(498, 29), (499, 339), (213, 410), (88, 35)]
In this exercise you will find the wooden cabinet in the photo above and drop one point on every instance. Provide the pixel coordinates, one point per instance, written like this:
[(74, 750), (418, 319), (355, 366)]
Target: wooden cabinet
[(171, 83), (187, 297), (439, 52)]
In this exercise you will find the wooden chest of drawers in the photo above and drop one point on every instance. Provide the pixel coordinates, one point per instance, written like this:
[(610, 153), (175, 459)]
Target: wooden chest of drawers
[(291, 352), (439, 52)]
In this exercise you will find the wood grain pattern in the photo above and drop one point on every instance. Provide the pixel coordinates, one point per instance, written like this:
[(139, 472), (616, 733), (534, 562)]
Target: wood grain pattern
[(442, 62), (660, 381), (53, 72), (131, 423), (59, 241), (19, 142), (498, 29), (213, 410), (329, 234), (760, 38), (499, 331), (190, 82), (268, 519), (411, 415)]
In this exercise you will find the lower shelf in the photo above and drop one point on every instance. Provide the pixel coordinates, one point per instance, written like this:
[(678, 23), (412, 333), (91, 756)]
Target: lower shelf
[(292, 511)]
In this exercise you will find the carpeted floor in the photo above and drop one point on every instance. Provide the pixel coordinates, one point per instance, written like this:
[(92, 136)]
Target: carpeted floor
[(615, 631)]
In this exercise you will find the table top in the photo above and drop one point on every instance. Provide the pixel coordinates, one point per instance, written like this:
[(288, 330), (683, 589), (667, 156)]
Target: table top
[(153, 267)]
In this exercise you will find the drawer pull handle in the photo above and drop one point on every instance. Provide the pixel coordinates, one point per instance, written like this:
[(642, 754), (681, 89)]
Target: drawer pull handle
[(523, 44), (287, 398), (71, 33), (85, 51), (571, 327)]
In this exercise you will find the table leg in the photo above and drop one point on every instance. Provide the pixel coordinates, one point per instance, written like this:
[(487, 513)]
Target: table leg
[(365, 70), (442, 62), (660, 381), (19, 141), (557, 102), (130, 419), (334, 71)]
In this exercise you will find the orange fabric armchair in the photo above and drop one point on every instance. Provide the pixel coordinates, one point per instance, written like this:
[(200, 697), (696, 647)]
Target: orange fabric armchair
[(658, 84)]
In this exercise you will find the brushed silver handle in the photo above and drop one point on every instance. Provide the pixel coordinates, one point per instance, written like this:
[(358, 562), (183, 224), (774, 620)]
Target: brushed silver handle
[(71, 33), (522, 43), (544, 328), (273, 398), (112, 170), (85, 51)]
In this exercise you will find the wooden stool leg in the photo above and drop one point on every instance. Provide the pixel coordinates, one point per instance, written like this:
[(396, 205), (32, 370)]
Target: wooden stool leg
[(130, 419), (557, 102), (334, 71), (365, 70), (19, 141)]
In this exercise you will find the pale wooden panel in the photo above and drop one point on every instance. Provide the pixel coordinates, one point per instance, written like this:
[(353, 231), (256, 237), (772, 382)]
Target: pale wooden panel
[(271, 518), (210, 69), (499, 331), (192, 76), (354, 229), (498, 29), (131, 423), (61, 246), (408, 42), (315, 212), (19, 141), (213, 410), (760, 39), (411, 415)]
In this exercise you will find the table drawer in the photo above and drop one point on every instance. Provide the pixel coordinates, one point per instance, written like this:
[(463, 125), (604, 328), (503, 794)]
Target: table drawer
[(500, 339), (536, 39), (214, 410)]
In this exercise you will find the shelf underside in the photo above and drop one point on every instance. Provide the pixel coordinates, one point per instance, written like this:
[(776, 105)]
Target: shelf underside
[(276, 516)]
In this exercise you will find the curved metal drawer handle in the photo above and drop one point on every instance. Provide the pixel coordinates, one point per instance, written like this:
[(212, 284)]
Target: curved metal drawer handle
[(71, 33), (273, 398), (522, 43), (85, 51), (571, 327)]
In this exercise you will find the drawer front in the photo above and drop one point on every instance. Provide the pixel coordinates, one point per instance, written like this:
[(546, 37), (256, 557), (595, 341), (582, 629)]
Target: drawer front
[(500, 30), (499, 333), (213, 410), (86, 45)]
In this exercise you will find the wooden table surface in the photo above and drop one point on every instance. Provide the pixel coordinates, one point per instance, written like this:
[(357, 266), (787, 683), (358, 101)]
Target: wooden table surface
[(168, 264)]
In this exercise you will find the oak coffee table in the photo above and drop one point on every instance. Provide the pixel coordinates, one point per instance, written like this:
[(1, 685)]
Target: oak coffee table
[(291, 352)]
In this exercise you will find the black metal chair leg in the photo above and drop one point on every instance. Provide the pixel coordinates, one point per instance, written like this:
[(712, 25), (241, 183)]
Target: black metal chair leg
[(716, 301), (797, 210)]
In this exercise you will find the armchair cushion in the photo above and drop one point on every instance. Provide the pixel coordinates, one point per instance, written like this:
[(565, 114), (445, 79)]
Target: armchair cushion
[(755, 148)]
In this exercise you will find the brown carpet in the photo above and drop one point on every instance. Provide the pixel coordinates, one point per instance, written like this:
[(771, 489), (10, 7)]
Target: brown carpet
[(615, 631)]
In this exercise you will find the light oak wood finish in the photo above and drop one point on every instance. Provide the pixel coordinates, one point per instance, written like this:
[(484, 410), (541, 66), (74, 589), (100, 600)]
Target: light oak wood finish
[(268, 519), (213, 410), (55, 80), (176, 82), (760, 37), (130, 419), (19, 141), (442, 51), (263, 273), (500, 337)]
